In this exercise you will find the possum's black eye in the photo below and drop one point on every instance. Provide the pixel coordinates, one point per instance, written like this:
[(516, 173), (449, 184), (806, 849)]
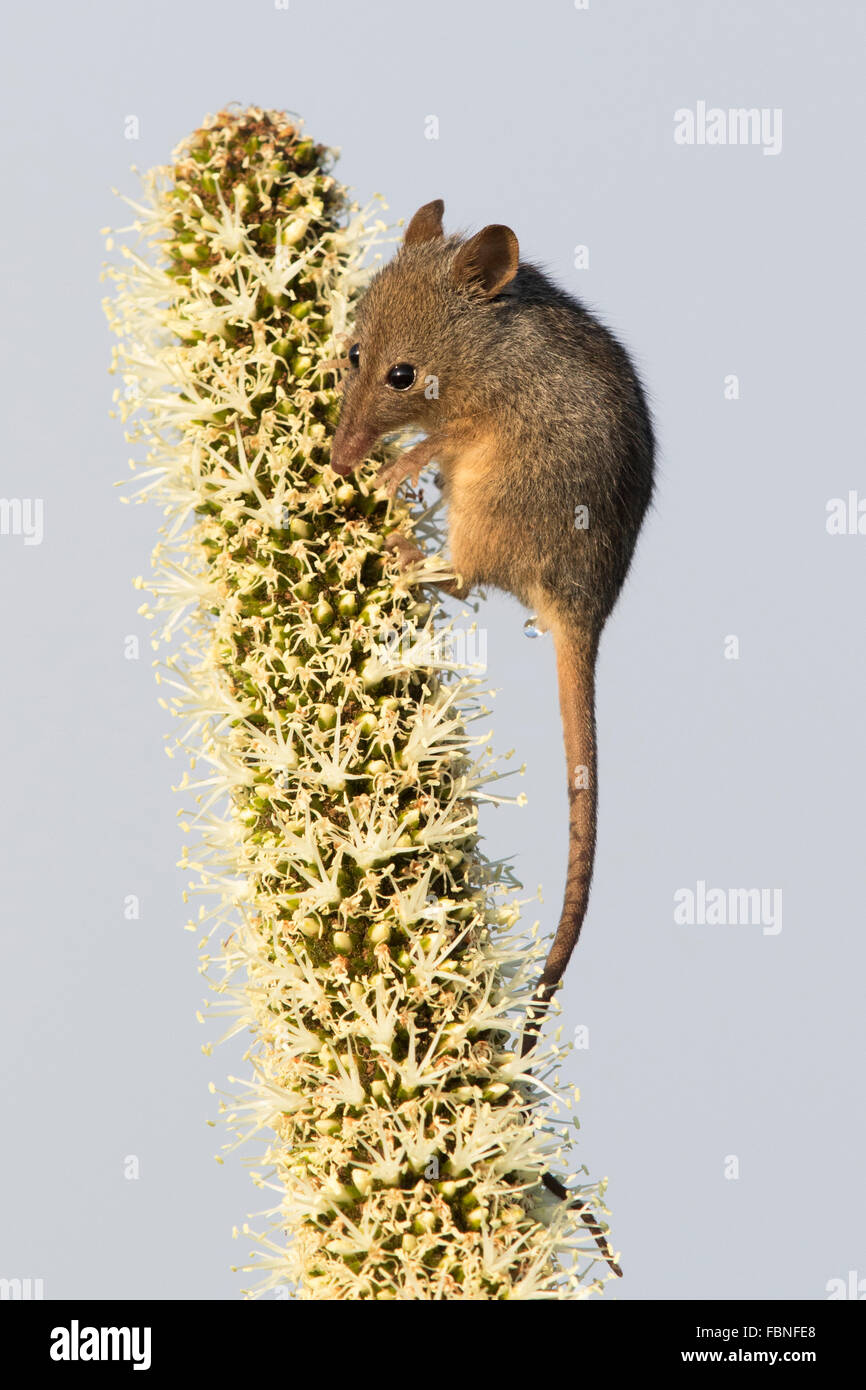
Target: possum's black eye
[(355, 354), (401, 376)]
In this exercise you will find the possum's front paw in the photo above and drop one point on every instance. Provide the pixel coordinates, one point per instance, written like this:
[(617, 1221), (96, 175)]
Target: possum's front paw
[(406, 552), (391, 475)]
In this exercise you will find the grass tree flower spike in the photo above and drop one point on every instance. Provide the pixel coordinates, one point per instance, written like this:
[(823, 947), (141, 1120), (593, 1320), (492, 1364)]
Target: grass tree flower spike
[(350, 921)]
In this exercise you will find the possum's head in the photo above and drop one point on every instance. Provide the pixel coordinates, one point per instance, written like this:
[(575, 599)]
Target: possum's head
[(420, 342)]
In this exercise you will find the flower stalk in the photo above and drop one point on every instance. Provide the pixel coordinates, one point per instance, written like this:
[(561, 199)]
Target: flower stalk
[(369, 947)]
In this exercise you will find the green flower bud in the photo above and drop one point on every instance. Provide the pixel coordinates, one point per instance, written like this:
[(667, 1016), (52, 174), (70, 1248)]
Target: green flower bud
[(362, 1180), (323, 613), (305, 153), (327, 716), (496, 1090)]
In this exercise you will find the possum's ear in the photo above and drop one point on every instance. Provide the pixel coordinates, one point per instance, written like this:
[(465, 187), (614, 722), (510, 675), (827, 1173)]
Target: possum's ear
[(488, 259), (426, 225)]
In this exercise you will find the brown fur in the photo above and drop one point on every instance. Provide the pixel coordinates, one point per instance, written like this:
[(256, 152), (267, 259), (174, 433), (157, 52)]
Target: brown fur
[(537, 410)]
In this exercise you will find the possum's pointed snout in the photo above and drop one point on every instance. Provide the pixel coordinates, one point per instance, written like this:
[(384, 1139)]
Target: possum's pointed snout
[(351, 446)]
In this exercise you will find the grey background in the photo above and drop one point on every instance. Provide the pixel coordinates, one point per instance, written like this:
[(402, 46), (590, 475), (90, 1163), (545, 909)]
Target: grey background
[(704, 1041)]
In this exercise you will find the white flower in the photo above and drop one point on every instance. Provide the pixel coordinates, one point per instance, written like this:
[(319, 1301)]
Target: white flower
[(348, 921)]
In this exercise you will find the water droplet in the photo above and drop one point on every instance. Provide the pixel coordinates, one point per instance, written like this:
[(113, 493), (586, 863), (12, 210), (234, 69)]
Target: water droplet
[(531, 628)]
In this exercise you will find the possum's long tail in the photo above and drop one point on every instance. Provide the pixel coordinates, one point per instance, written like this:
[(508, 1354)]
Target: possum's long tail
[(575, 663)]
